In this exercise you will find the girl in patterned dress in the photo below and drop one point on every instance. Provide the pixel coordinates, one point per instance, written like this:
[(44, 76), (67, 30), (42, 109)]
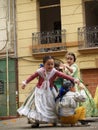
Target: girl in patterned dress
[(71, 69)]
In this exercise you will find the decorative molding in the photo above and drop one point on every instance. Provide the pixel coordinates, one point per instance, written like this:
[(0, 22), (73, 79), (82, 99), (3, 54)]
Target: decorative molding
[(71, 44), (89, 50)]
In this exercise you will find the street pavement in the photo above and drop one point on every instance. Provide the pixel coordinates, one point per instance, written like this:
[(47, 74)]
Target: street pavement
[(22, 124)]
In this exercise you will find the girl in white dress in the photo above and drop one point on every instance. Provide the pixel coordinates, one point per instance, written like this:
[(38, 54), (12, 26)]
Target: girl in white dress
[(40, 106)]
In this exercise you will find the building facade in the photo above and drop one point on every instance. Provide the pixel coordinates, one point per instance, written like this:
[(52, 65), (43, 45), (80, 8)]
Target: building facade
[(8, 59), (54, 27)]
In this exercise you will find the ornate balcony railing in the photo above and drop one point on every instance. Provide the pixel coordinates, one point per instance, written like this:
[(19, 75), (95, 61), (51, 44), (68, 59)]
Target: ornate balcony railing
[(48, 42), (88, 37)]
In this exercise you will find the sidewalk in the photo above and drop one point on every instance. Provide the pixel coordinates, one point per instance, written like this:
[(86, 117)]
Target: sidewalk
[(22, 124), (14, 124)]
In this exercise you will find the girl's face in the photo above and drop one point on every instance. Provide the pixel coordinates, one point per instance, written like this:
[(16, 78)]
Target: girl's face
[(73, 89), (49, 65), (70, 59)]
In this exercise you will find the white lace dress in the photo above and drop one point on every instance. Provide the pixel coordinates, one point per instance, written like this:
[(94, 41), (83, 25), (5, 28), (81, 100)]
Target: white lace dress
[(40, 104)]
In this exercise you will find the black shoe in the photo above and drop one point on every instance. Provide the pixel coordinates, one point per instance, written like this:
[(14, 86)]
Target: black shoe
[(35, 125), (84, 122), (54, 124), (29, 122)]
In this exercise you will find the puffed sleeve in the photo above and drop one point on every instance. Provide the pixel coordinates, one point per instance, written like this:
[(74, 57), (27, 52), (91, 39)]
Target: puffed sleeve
[(80, 96)]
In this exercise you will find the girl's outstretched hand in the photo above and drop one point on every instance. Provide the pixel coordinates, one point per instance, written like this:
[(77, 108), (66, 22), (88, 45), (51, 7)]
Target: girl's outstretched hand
[(23, 84)]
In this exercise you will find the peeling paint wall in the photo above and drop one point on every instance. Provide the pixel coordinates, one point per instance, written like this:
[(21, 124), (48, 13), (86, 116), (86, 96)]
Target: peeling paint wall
[(7, 27), (3, 24)]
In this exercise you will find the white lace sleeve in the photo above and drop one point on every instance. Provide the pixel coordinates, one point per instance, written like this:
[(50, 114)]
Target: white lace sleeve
[(80, 97)]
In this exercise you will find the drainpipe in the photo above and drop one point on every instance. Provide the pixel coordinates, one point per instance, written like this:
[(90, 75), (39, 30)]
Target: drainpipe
[(14, 27), (7, 79), (7, 56), (15, 52)]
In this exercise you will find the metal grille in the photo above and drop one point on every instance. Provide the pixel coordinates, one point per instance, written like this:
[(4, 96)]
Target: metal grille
[(56, 36), (88, 37), (1, 87)]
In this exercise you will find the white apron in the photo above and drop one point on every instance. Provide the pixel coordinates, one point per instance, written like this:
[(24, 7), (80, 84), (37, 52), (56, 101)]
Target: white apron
[(43, 100)]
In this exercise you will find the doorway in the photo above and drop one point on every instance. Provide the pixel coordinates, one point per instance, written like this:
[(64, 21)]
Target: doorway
[(8, 106), (91, 13), (50, 15), (90, 79)]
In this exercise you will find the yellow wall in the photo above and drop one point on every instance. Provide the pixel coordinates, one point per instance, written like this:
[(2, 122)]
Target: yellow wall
[(27, 23), (72, 18)]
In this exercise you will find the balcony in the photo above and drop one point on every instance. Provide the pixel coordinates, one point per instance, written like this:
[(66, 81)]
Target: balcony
[(88, 39), (45, 43)]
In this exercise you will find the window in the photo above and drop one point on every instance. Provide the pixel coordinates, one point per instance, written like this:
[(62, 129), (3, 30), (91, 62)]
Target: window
[(50, 15)]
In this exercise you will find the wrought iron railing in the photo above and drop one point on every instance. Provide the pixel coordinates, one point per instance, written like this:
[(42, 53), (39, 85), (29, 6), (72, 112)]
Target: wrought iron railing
[(48, 41), (88, 37)]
